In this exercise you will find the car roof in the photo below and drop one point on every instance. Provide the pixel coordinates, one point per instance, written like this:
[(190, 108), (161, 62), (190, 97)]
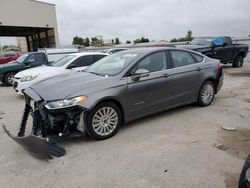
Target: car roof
[(148, 49), (88, 53)]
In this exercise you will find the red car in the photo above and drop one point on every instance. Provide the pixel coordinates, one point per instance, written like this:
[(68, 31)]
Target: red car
[(8, 56)]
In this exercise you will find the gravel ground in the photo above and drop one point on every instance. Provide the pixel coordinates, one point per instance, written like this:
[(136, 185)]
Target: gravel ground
[(171, 149)]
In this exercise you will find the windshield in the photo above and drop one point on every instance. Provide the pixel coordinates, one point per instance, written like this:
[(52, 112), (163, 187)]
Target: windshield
[(202, 41), (61, 62), (113, 64), (22, 58)]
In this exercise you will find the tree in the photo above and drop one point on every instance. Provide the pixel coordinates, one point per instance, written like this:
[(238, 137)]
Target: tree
[(86, 42), (96, 42), (5, 48), (117, 41), (77, 41), (189, 35), (128, 42), (141, 40)]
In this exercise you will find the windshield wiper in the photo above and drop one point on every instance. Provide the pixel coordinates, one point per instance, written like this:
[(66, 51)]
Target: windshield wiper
[(95, 73)]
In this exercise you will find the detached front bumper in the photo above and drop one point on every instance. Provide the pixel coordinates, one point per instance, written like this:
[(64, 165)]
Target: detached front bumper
[(37, 146), (47, 127)]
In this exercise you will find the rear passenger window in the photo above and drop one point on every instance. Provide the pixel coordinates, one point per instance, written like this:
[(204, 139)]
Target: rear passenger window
[(98, 57), (83, 61), (197, 57), (181, 58)]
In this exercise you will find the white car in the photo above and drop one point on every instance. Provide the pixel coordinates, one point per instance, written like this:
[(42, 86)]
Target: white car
[(72, 62)]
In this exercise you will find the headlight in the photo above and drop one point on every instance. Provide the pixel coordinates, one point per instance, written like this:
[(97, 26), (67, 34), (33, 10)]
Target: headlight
[(66, 103), (29, 78)]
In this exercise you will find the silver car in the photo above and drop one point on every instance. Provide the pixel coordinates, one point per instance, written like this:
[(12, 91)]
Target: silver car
[(115, 90)]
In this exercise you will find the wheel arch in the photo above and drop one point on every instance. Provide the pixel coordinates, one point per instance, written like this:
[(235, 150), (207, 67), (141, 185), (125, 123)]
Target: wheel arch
[(3, 79), (241, 53), (214, 81), (112, 100)]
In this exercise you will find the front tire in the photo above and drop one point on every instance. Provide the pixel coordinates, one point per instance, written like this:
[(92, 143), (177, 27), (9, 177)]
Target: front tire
[(206, 94), (9, 78), (104, 121), (238, 62)]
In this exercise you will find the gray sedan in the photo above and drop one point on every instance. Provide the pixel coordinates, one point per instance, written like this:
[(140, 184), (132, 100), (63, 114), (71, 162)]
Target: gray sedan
[(115, 90)]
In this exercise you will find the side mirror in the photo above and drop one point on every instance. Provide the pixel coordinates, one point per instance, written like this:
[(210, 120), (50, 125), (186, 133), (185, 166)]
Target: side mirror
[(139, 74), (29, 62), (71, 66)]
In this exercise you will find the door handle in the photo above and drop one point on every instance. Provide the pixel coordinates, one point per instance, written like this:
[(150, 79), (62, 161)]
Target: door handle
[(198, 69), (165, 75)]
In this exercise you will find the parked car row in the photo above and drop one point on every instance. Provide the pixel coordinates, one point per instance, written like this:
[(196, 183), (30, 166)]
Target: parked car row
[(114, 90), (72, 62), (30, 60)]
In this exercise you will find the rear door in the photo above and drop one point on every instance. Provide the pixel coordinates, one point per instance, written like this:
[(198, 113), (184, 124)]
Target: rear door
[(148, 94), (185, 76)]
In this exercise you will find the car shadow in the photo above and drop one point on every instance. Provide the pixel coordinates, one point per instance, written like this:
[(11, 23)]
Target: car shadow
[(67, 142), (2, 85), (157, 116)]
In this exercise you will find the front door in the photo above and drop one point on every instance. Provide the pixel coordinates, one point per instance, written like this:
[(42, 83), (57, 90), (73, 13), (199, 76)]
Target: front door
[(148, 94)]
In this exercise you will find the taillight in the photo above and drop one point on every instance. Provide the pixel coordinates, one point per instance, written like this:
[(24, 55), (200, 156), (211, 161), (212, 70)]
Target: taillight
[(219, 66)]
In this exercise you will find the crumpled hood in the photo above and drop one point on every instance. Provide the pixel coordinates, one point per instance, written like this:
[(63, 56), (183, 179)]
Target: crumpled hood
[(198, 48), (37, 70), (66, 85)]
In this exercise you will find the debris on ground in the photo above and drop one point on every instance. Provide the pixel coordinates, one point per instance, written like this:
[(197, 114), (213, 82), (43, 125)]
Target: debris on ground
[(195, 141), (1, 113), (221, 147), (229, 128)]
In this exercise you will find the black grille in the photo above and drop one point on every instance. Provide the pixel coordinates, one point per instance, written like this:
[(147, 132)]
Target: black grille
[(15, 84)]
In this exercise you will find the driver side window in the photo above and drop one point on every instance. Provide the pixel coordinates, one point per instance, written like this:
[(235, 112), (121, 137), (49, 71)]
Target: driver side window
[(153, 63), (31, 58)]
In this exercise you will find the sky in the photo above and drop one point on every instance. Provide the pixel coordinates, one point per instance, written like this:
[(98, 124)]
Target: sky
[(156, 20)]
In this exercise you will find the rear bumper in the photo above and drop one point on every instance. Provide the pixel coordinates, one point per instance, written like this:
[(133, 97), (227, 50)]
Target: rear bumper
[(220, 80)]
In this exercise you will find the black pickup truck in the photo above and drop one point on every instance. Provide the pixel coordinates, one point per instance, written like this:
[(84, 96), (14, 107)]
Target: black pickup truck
[(221, 48)]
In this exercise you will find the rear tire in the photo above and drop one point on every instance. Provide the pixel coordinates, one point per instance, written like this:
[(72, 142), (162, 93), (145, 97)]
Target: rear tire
[(238, 62), (104, 121), (9, 78), (206, 94)]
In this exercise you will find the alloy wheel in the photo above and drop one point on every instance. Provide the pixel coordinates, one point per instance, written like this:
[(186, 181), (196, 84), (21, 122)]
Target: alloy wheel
[(105, 121), (207, 93)]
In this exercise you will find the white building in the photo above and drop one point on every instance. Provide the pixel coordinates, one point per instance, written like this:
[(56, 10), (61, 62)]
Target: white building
[(31, 19)]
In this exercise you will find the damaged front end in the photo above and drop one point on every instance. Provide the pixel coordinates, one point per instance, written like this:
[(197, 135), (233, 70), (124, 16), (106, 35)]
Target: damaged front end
[(48, 126)]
